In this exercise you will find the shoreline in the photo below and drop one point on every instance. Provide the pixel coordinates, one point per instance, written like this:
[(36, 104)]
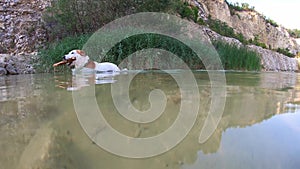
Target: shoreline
[(270, 62)]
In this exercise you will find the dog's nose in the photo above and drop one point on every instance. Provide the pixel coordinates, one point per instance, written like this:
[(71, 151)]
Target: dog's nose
[(64, 58)]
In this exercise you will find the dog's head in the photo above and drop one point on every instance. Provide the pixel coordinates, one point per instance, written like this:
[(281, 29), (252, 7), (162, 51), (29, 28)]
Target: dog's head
[(76, 58)]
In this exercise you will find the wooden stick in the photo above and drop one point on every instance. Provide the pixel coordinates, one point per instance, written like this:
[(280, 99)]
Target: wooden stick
[(60, 63)]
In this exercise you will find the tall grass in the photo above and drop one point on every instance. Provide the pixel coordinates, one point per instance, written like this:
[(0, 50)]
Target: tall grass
[(232, 57), (237, 58), (149, 40)]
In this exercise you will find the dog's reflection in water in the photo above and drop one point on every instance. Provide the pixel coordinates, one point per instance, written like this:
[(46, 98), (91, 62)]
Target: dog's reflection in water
[(86, 77)]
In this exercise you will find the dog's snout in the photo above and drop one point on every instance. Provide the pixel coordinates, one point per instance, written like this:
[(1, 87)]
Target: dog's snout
[(64, 58)]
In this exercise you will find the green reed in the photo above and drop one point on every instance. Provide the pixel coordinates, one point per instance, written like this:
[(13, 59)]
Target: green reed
[(237, 58), (232, 57)]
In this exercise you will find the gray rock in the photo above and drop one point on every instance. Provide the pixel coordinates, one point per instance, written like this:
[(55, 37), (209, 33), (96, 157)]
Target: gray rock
[(11, 69), (251, 24), (2, 71), (270, 60), (273, 61), (2, 64)]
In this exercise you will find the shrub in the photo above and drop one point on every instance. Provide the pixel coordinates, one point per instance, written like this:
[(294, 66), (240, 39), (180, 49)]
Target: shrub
[(187, 11), (66, 18), (272, 22), (168, 6), (295, 33), (257, 42), (237, 7), (223, 29), (285, 52), (74, 17)]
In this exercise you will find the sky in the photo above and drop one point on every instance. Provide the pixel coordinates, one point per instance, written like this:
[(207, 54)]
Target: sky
[(283, 12)]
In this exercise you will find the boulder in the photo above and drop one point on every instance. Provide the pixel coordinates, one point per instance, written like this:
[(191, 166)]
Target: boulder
[(11, 69), (2, 71)]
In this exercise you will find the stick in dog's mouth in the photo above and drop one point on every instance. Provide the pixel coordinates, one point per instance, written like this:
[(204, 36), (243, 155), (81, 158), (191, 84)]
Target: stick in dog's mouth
[(63, 62)]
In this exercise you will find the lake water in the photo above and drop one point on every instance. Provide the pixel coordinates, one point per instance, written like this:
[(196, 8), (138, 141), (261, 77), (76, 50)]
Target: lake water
[(259, 128)]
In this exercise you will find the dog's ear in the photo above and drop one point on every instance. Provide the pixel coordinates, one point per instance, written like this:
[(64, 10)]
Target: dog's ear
[(81, 52)]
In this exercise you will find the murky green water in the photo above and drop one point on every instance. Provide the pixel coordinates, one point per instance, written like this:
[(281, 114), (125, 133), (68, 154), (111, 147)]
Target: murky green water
[(260, 126)]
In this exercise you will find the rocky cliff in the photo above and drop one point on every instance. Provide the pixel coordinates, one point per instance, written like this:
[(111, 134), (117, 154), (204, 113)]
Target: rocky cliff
[(21, 27), (250, 23), (270, 60)]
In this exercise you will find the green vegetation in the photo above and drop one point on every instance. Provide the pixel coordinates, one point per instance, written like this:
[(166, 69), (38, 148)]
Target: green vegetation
[(270, 21), (73, 17), (246, 7), (256, 41), (285, 52), (295, 33), (188, 12), (237, 58), (121, 50), (168, 6), (223, 29), (237, 7), (149, 40), (231, 56), (71, 22)]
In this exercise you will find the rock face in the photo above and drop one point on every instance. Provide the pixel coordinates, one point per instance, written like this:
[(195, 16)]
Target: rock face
[(21, 27), (252, 25), (270, 60), (273, 61)]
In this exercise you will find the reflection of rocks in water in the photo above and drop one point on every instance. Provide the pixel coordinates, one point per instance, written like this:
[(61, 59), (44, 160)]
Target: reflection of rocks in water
[(25, 106), (278, 80), (246, 104)]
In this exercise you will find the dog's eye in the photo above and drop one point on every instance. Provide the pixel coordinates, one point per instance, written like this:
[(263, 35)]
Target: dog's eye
[(72, 52)]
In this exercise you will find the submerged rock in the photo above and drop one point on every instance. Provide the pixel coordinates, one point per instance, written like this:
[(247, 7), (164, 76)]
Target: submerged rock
[(38, 149), (47, 149)]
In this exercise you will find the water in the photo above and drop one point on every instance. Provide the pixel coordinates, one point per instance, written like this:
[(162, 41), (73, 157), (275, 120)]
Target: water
[(259, 127)]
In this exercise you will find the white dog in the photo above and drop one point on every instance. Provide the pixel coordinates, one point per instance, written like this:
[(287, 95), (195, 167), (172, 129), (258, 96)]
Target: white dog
[(79, 59)]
